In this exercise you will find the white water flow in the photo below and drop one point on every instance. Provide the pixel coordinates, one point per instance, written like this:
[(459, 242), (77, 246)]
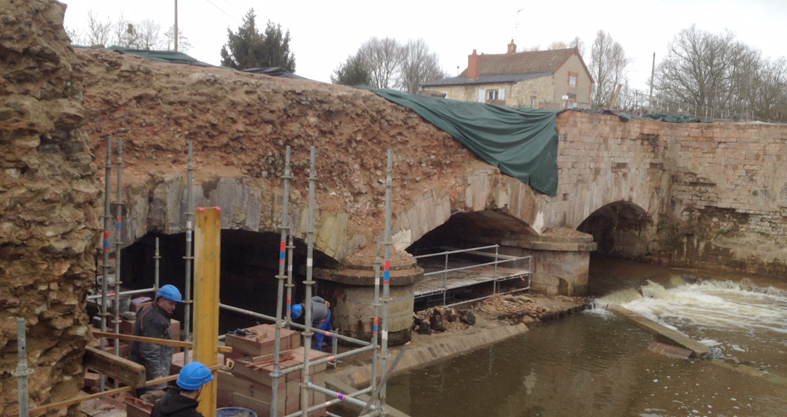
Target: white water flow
[(740, 318)]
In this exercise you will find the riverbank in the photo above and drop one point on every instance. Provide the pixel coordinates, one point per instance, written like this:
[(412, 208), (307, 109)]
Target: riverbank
[(496, 319)]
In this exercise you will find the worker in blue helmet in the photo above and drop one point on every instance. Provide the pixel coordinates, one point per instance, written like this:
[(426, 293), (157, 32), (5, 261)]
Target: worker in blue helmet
[(154, 321), (183, 400), (321, 319)]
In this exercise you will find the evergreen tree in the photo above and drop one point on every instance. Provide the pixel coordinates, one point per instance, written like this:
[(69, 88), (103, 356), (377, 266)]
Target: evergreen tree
[(352, 72), (248, 48)]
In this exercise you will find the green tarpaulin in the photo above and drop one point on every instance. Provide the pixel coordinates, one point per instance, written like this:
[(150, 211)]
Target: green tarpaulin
[(521, 142), (171, 57)]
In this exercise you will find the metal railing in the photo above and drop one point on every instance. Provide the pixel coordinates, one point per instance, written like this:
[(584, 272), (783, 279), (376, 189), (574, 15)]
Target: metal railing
[(495, 279)]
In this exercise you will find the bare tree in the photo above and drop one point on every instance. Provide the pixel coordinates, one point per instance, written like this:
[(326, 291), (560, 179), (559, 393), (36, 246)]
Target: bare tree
[(98, 32), (770, 91), (75, 36), (383, 58), (418, 65), (148, 35), (608, 65), (577, 43), (715, 75), (698, 67), (557, 45), (125, 33), (169, 41), (574, 43)]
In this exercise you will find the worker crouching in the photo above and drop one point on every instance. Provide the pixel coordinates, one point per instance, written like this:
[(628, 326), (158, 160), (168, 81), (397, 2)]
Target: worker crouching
[(321, 319)]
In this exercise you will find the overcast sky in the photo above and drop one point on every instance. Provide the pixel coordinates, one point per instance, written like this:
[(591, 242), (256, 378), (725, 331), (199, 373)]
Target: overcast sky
[(324, 33)]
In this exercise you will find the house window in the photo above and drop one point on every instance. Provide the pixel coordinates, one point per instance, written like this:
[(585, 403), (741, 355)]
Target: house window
[(572, 79), (532, 102), (493, 95)]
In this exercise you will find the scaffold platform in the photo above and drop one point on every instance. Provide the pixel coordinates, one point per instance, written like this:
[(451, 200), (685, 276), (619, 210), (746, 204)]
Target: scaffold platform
[(455, 269)]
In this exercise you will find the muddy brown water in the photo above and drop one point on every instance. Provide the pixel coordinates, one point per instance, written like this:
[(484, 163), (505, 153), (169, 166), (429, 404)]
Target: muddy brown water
[(594, 364)]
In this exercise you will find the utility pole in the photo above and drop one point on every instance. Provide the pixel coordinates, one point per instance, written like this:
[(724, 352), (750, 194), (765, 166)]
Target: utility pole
[(652, 80), (176, 26)]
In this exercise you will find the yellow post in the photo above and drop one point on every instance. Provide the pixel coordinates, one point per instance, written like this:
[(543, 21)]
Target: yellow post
[(207, 261)]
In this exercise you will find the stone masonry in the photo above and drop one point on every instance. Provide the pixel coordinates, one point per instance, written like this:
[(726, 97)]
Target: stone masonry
[(714, 194), (48, 205)]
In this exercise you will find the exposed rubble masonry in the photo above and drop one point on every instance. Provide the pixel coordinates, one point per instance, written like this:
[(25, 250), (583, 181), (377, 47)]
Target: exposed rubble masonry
[(48, 204)]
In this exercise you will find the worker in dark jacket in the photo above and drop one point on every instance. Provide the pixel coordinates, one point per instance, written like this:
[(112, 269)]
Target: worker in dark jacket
[(321, 319), (183, 400), (154, 321)]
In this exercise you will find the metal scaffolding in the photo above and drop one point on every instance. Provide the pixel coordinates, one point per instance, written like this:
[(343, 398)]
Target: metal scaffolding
[(188, 257), (105, 267), (308, 330), (105, 293), (285, 257)]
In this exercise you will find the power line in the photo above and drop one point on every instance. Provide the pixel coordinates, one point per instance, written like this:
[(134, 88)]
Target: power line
[(219, 9), (232, 4)]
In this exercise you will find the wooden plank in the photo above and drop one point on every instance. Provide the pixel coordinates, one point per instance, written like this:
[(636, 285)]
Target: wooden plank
[(207, 262), (121, 369), (166, 342), (62, 404)]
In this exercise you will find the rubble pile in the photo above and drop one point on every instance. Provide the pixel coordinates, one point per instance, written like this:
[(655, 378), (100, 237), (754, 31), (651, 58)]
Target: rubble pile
[(528, 308), (49, 222), (442, 319)]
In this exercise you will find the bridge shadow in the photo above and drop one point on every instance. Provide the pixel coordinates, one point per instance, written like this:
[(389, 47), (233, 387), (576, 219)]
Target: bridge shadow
[(619, 229), (478, 267)]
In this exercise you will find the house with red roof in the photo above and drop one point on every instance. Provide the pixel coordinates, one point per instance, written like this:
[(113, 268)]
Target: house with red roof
[(553, 79)]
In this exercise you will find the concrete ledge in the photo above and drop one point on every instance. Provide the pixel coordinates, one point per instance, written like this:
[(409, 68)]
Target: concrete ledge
[(664, 333), (433, 351), (338, 386)]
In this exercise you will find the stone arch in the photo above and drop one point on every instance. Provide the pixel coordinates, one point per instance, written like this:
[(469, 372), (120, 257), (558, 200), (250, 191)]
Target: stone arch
[(484, 196), (619, 229), (159, 206)]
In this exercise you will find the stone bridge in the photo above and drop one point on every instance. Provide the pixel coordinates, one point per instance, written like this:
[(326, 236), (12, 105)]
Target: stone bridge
[(678, 194)]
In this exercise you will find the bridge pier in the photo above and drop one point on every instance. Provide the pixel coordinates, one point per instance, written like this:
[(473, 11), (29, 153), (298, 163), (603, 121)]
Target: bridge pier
[(561, 262), (352, 288)]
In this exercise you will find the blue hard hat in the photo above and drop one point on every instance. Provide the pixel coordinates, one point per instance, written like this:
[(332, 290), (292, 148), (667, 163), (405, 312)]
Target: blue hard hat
[(297, 309), (193, 376), (170, 292)]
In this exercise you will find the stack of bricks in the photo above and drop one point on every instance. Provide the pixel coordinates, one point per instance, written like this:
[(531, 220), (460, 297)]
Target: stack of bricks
[(250, 385)]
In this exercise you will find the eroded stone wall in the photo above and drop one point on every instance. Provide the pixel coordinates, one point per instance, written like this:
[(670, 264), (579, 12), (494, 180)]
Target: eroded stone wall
[(729, 195), (48, 216), (715, 194)]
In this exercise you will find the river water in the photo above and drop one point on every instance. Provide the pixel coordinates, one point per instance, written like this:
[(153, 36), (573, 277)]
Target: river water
[(595, 364)]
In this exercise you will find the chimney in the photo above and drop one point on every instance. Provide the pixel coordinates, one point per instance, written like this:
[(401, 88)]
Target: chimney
[(473, 66), (511, 48)]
